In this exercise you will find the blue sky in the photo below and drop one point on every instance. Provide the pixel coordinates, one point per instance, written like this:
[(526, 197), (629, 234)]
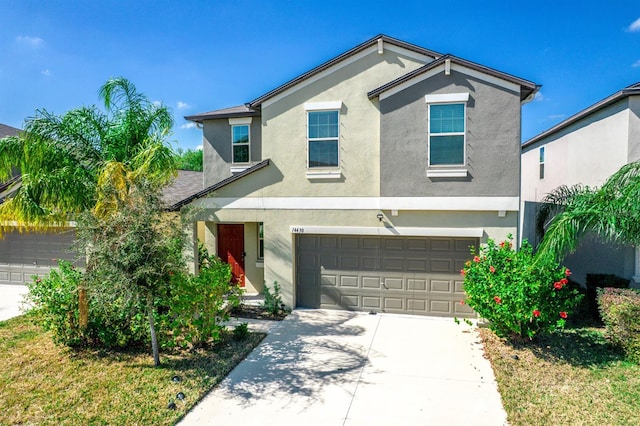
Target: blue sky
[(198, 56)]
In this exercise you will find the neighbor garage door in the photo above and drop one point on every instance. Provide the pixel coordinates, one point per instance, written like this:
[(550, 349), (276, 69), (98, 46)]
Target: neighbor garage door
[(412, 275), (23, 255)]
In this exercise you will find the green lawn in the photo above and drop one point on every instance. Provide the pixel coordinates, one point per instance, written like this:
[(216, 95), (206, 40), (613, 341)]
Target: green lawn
[(573, 377), (47, 384)]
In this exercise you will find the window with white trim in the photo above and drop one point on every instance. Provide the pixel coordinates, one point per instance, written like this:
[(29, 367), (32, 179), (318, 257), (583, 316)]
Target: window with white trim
[(542, 163), (240, 143), (323, 139), (447, 134)]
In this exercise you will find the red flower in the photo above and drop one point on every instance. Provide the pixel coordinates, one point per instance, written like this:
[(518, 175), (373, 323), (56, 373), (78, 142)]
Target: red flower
[(492, 269), (557, 285), (536, 313), (563, 315), (564, 281), (497, 299), (462, 302), (502, 244), (462, 272), (476, 259), (567, 272)]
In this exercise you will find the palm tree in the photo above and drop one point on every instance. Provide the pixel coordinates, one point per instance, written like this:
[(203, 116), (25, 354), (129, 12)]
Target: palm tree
[(68, 162), (611, 212), (87, 160)]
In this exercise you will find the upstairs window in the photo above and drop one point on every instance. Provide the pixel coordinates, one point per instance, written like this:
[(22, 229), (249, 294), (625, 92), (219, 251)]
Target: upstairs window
[(447, 134), (323, 138), (542, 163), (240, 143)]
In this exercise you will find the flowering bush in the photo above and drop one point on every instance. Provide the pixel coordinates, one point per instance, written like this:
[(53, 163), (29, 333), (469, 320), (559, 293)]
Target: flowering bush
[(519, 294)]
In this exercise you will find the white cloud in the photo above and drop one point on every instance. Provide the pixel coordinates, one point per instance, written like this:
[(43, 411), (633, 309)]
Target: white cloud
[(30, 41), (635, 26), (46, 73), (182, 105), (636, 64), (190, 125), (157, 103), (540, 97), (556, 116), (199, 148)]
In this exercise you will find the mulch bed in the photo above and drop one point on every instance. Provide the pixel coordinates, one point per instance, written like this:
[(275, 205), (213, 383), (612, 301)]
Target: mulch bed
[(257, 312)]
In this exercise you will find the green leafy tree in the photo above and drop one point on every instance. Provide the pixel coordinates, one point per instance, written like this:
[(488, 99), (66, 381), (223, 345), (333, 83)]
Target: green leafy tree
[(611, 212), (133, 254), (190, 160)]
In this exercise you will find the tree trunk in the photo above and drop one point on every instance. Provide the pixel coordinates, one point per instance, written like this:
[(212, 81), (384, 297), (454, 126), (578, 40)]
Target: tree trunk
[(83, 308), (152, 330)]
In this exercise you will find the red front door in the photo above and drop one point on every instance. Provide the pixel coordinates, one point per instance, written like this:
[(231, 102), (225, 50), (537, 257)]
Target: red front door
[(231, 249)]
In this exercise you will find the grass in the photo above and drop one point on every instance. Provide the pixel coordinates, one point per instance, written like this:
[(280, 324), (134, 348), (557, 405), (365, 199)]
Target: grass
[(47, 384), (570, 377)]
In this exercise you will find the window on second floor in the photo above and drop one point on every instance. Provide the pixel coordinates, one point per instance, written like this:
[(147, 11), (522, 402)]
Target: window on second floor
[(542, 163), (447, 134), (240, 143), (323, 138)]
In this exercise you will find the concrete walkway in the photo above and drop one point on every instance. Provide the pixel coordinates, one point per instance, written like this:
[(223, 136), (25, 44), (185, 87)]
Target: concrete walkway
[(321, 367), (11, 300)]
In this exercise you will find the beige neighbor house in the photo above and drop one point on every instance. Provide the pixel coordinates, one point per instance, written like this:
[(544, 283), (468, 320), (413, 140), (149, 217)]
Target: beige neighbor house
[(585, 149), (362, 183)]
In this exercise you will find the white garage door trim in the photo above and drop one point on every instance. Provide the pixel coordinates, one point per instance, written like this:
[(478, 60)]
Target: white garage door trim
[(387, 232)]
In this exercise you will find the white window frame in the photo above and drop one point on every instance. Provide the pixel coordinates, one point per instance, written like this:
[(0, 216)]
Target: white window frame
[(330, 106), (447, 170), (260, 258), (241, 122), (541, 160)]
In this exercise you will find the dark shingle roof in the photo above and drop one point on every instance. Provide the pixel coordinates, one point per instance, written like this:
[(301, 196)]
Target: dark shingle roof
[(8, 131), (177, 206), (634, 89), (236, 111), (184, 185)]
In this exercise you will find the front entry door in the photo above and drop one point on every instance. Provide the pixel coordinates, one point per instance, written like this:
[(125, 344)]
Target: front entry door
[(231, 249)]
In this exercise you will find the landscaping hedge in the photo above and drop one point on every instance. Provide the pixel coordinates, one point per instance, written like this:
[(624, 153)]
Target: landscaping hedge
[(620, 312)]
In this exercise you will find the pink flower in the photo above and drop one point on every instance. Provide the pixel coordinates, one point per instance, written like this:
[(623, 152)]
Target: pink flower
[(563, 315), (497, 300), (564, 281), (462, 302), (557, 285), (476, 259), (536, 313), (462, 272), (492, 269), (567, 272)]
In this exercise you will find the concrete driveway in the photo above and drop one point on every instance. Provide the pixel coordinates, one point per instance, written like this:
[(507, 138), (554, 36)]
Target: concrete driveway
[(321, 367), (11, 300)]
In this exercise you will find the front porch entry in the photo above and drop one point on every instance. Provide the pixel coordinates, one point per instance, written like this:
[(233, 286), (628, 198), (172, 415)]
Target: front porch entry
[(231, 249)]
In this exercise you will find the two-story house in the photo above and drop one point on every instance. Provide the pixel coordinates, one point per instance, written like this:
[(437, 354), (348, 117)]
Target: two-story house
[(363, 183), (585, 149)]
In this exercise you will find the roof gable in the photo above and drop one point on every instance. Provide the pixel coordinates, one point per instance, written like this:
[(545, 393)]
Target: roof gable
[(527, 88)]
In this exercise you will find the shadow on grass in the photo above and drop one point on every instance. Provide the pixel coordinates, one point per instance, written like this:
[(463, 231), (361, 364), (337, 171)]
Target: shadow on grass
[(580, 346)]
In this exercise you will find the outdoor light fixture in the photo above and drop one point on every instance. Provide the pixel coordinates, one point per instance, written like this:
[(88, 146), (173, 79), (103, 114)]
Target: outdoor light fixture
[(380, 216)]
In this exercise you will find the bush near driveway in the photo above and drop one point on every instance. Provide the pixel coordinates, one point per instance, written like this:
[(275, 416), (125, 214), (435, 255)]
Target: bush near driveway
[(620, 312), (519, 294)]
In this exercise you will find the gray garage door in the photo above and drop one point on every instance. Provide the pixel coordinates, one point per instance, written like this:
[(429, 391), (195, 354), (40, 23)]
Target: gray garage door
[(23, 255), (408, 275)]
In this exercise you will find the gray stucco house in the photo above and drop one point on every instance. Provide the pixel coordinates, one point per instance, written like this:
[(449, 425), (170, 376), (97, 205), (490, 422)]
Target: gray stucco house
[(362, 183), (586, 149)]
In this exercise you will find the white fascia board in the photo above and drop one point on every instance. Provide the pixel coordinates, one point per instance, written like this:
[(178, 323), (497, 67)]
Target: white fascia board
[(365, 203), (371, 50), (387, 231), (240, 121), (446, 97), (320, 106)]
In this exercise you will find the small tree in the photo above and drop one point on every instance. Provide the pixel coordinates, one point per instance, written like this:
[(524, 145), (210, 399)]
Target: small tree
[(518, 298), (133, 253)]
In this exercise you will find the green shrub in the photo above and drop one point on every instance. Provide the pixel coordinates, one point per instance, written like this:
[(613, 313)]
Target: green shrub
[(199, 304), (620, 312), (599, 281), (55, 299), (241, 331), (272, 301), (519, 294)]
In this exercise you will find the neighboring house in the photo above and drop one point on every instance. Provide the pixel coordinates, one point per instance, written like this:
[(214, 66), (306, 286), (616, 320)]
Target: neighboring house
[(25, 254), (585, 149), (363, 183)]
